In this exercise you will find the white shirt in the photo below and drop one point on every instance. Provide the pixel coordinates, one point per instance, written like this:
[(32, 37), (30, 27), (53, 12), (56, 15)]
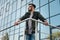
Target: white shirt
[(30, 24)]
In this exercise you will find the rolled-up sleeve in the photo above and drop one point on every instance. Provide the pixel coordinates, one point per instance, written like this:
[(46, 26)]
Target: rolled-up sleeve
[(41, 17)]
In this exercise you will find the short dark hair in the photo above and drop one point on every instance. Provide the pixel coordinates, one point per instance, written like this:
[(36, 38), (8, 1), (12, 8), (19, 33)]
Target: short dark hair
[(33, 5)]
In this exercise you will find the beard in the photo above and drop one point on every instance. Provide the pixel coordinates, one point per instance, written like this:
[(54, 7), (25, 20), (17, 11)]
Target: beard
[(29, 10)]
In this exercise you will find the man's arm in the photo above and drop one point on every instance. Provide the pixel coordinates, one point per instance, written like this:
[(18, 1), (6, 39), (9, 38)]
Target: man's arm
[(42, 19), (23, 17), (20, 19)]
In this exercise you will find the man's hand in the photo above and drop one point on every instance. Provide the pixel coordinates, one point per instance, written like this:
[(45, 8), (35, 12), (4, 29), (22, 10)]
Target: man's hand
[(16, 23), (45, 23)]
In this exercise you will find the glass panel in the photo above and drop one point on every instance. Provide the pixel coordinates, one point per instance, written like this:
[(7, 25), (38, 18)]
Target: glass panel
[(14, 0), (11, 32), (36, 2), (5, 20), (44, 31), (44, 11), (18, 14), (22, 27), (16, 31), (16, 37), (10, 10), (7, 6), (28, 1), (23, 10), (12, 22), (18, 4), (55, 20), (51, 0), (13, 16), (59, 2), (37, 9), (11, 1), (11, 37), (9, 18), (23, 2), (42, 2), (2, 11), (54, 7), (14, 6)]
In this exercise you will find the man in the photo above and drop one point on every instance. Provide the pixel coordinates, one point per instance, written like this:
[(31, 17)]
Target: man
[(30, 24)]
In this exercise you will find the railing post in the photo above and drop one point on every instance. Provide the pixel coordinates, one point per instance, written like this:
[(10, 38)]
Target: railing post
[(36, 30), (24, 34)]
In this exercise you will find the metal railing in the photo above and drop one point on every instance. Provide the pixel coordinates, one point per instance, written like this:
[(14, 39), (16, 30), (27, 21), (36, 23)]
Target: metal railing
[(35, 25), (33, 20)]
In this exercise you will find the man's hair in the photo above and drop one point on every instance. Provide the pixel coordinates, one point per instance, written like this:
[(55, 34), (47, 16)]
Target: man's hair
[(33, 5)]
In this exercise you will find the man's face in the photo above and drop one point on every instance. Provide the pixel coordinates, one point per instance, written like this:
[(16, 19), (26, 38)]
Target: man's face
[(30, 8)]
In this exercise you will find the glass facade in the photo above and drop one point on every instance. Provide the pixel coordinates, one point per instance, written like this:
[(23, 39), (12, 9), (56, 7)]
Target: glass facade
[(12, 10)]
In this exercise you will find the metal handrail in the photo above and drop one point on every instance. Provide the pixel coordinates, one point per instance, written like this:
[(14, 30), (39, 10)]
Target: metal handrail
[(33, 20)]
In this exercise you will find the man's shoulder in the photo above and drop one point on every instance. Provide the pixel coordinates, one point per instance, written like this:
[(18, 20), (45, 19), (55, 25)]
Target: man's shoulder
[(37, 12)]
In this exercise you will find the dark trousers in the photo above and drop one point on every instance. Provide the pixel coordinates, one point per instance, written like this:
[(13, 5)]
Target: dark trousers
[(30, 37)]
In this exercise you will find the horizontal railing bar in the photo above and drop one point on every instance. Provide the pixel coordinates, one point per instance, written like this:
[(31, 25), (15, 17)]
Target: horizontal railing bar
[(33, 20)]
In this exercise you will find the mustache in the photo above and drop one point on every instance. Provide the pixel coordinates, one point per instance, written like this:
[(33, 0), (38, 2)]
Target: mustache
[(30, 9)]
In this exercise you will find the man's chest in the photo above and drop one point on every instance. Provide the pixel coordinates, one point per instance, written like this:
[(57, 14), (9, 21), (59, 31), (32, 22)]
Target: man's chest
[(34, 15)]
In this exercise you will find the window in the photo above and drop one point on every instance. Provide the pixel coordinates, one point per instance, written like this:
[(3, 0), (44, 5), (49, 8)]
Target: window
[(7, 6), (0, 12), (42, 2), (44, 11), (28, 1), (44, 30), (18, 14), (59, 1), (16, 31), (11, 1), (5, 20), (13, 16), (18, 4), (22, 28), (23, 2), (55, 20), (14, 6), (16, 37), (10, 10), (36, 2), (37, 9), (51, 0), (54, 7), (12, 22), (11, 37), (9, 18), (43, 36), (23, 10), (14, 0), (5, 0)]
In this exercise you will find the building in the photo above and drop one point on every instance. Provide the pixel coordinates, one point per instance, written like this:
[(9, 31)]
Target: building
[(11, 10)]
